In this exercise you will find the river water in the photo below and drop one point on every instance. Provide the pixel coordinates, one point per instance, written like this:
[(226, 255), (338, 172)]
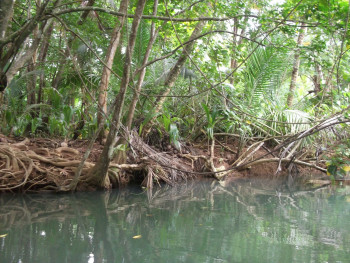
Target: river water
[(202, 221)]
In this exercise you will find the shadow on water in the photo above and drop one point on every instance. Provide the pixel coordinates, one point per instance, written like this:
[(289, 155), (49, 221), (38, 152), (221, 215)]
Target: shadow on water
[(203, 221)]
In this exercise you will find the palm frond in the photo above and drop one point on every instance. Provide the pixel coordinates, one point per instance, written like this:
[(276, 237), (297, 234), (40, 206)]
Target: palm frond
[(264, 73), (142, 39)]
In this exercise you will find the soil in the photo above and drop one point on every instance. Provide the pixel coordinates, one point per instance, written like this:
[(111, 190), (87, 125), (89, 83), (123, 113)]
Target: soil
[(45, 164)]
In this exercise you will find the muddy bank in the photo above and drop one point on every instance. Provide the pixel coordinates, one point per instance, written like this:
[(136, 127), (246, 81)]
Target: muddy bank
[(49, 165)]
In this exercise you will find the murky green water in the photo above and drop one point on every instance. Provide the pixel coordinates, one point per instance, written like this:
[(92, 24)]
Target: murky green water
[(246, 221)]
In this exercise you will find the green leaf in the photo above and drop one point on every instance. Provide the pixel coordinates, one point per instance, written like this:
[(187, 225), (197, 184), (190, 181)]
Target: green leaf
[(332, 169)]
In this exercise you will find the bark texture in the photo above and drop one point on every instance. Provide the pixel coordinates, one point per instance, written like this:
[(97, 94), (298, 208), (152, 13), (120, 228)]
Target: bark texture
[(296, 65), (61, 65), (138, 88), (86, 13), (236, 41), (317, 78), (6, 12), (17, 39), (98, 174), (106, 74)]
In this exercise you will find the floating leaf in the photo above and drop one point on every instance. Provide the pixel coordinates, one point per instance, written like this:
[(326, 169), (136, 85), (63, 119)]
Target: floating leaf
[(137, 237)]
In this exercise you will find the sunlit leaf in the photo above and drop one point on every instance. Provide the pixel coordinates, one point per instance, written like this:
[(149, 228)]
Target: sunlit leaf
[(4, 235), (346, 168), (137, 237)]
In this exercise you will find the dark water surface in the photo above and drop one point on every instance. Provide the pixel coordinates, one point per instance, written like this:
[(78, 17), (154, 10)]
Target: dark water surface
[(242, 221)]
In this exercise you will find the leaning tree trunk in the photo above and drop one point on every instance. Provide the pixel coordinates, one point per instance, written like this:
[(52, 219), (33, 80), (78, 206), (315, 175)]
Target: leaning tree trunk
[(98, 174), (62, 63), (317, 78), (236, 41), (121, 154), (84, 15), (173, 74), (17, 39), (138, 88), (295, 67), (21, 58), (42, 58), (106, 74), (6, 12)]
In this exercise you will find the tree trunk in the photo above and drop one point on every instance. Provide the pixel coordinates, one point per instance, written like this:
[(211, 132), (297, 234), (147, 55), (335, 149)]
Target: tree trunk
[(236, 41), (295, 67), (62, 63), (41, 59), (317, 79), (98, 174), (120, 156), (86, 13), (173, 74), (6, 12), (31, 92), (138, 88), (31, 77), (17, 43), (114, 43)]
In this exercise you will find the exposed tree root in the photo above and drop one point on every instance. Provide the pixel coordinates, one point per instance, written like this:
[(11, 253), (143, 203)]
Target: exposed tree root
[(46, 165), (39, 169), (53, 169)]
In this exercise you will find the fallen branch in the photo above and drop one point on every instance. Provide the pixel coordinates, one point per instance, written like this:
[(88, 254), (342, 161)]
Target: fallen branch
[(244, 166), (251, 153)]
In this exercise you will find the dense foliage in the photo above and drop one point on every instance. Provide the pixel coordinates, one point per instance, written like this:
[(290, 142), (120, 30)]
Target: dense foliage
[(257, 69)]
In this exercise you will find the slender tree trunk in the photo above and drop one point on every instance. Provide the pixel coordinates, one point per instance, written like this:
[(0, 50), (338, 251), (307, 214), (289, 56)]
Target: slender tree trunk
[(114, 43), (236, 41), (317, 79), (6, 12), (98, 174), (120, 157), (31, 92), (138, 88), (173, 74), (84, 15), (59, 73), (31, 77), (26, 56), (41, 59), (31, 82), (295, 67)]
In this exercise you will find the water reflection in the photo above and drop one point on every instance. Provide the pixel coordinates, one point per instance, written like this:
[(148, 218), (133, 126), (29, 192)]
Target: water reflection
[(242, 221)]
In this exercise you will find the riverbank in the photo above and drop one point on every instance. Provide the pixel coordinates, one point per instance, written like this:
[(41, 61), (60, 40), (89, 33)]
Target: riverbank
[(49, 165)]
